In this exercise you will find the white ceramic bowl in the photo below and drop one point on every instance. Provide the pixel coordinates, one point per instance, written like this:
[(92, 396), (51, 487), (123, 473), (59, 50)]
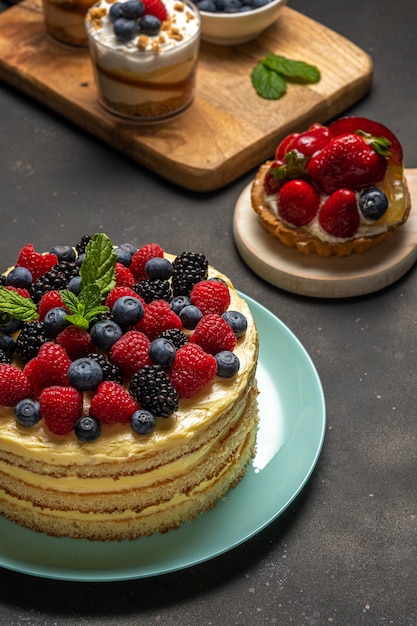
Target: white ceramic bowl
[(230, 29)]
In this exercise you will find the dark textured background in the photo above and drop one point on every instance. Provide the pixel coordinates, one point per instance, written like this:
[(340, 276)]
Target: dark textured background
[(345, 552)]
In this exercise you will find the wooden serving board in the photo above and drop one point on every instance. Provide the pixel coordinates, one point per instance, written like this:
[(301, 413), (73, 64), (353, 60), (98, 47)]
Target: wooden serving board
[(228, 130), (334, 277)]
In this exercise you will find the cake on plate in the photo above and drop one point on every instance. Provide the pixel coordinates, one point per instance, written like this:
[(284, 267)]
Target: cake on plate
[(128, 397), (333, 190)]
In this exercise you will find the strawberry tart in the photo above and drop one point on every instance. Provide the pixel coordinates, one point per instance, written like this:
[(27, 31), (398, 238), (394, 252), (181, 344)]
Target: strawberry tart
[(333, 190), (128, 397)]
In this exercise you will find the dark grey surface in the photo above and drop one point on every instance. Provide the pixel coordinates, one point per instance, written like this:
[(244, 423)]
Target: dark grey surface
[(345, 551)]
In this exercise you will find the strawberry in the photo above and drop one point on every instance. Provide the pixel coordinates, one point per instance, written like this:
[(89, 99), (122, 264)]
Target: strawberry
[(130, 352), (60, 408), (213, 334), (49, 367), (282, 146), (124, 277), (158, 317), (310, 141), (50, 300), (274, 178), (37, 263), (298, 202), (76, 341), (156, 8), (192, 370), (339, 215), (119, 292), (141, 257), (14, 385), (354, 124), (349, 161), (112, 403), (211, 296)]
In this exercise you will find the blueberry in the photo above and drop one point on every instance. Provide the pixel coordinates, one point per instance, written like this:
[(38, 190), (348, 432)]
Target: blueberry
[(19, 277), (104, 333), (64, 253), (7, 344), (87, 428), (128, 247), (133, 9), (158, 268), (150, 25), (162, 351), (125, 29), (178, 303), (142, 422), (227, 364), (123, 256), (85, 374), (74, 285), (237, 321), (55, 321), (190, 315), (80, 259), (231, 6), (207, 5), (116, 11), (8, 323), (373, 203), (127, 311), (28, 412)]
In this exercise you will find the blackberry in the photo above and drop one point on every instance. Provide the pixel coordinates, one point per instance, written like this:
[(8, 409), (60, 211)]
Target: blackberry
[(82, 244), (56, 278), (4, 358), (153, 390), (102, 317), (189, 268), (110, 371), (32, 336), (175, 335), (151, 290)]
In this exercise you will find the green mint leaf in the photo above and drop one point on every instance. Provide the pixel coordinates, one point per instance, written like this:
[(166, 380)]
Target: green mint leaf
[(92, 313), (99, 265), (70, 300), (267, 83), (294, 71), (23, 309), (90, 296), (78, 320)]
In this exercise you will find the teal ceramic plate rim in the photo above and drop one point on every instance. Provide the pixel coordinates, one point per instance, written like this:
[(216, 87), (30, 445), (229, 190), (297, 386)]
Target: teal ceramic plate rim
[(290, 438)]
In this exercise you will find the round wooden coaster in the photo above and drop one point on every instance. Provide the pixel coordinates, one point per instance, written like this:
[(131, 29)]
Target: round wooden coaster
[(334, 277)]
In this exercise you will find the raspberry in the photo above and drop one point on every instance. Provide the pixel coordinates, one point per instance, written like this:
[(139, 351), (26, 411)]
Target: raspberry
[(60, 408), (192, 370), (124, 277), (49, 300), (76, 341), (211, 296), (130, 352), (141, 257), (119, 292), (37, 263), (157, 318), (214, 334), (49, 368), (14, 385), (22, 292), (112, 403), (156, 8)]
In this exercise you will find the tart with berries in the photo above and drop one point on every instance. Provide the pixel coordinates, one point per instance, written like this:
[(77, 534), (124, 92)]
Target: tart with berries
[(334, 190), (128, 398)]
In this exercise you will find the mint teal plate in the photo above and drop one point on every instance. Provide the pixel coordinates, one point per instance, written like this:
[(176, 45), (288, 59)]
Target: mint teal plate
[(290, 438)]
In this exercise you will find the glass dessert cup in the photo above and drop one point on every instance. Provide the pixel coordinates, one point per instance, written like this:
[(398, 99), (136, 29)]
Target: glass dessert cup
[(65, 20), (145, 85)]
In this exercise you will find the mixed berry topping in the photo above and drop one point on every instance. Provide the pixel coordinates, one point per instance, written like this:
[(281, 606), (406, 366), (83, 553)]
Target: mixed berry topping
[(124, 347), (334, 174), (230, 6), (137, 17)]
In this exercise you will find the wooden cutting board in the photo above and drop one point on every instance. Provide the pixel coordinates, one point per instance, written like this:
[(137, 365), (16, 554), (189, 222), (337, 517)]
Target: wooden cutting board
[(334, 277), (228, 130)]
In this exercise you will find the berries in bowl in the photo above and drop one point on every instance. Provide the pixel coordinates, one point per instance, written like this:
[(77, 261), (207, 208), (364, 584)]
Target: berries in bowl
[(234, 22)]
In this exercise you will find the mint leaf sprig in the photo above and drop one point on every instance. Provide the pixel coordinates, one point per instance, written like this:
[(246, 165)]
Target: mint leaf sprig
[(21, 308), (84, 307), (271, 75)]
